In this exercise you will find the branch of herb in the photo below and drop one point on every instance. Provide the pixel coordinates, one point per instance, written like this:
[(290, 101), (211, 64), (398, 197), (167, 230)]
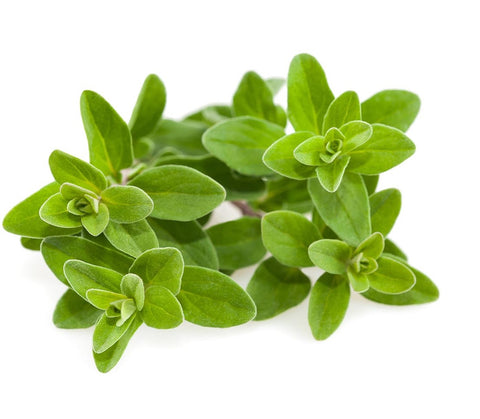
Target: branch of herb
[(246, 209)]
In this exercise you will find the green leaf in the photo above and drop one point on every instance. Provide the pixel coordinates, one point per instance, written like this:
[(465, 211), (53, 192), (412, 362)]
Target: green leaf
[(358, 280), (24, 219), (109, 139), (287, 235), (95, 224), (132, 286), (127, 204), (188, 237), (386, 148), (236, 185), (275, 288), (133, 238), (308, 94), (393, 249), (83, 276), (240, 143), (102, 299), (343, 109), (287, 194), (161, 310), (308, 151), (372, 246), (371, 183), (69, 169), (328, 304), (346, 211), (330, 175), (184, 136), (30, 244), (238, 243), (210, 115), (54, 211), (210, 298), (424, 291), (391, 277), (180, 193), (70, 191), (149, 107), (106, 360), (57, 250), (280, 156), (397, 108), (107, 333), (73, 312), (330, 255), (356, 134), (160, 267), (384, 208), (254, 98)]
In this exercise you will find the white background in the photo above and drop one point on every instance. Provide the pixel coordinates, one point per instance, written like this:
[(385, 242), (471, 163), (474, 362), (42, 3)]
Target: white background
[(383, 362)]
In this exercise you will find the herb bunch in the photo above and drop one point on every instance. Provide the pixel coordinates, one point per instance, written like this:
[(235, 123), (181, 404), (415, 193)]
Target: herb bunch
[(126, 232)]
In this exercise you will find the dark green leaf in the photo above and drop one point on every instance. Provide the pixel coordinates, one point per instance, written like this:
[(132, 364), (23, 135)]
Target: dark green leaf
[(275, 288), (30, 244), (133, 238), (240, 143), (393, 249), (308, 94), (238, 243), (371, 183), (149, 107), (180, 193), (109, 139), (189, 238), (210, 298), (397, 108), (73, 312), (346, 211), (328, 305), (287, 235)]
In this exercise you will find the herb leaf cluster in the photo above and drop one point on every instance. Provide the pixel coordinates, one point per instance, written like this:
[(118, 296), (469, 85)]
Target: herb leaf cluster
[(129, 233)]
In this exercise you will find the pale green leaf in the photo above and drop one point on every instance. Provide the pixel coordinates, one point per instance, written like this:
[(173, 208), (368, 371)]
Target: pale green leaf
[(391, 277), (54, 211), (73, 312), (343, 109), (385, 207), (95, 224), (133, 238), (372, 246), (102, 298), (308, 94), (330, 255), (127, 204), (330, 175), (107, 333), (132, 286)]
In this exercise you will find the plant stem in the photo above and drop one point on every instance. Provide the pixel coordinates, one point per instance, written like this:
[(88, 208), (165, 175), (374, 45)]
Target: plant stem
[(246, 209)]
